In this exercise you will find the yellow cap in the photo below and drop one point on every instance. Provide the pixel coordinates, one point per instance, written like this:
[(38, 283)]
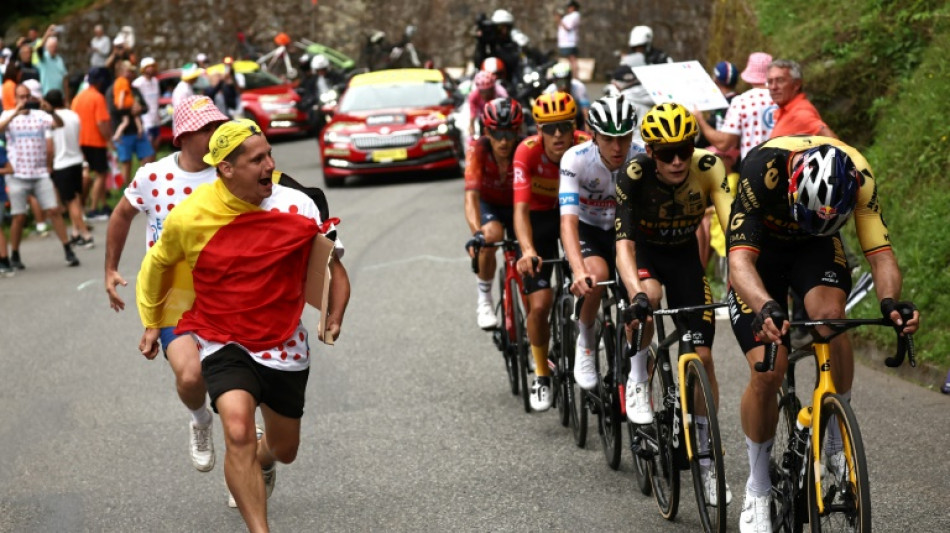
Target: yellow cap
[(227, 137)]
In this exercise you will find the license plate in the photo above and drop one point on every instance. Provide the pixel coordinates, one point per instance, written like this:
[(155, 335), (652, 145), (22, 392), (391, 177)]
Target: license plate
[(385, 156)]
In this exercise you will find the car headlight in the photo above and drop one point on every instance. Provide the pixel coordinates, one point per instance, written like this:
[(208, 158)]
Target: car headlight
[(273, 107), (327, 97), (333, 137), (442, 129)]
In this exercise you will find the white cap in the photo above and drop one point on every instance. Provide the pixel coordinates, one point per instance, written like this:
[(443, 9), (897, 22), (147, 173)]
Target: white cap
[(146, 62), (319, 61), (6, 52), (201, 57), (119, 39), (36, 90)]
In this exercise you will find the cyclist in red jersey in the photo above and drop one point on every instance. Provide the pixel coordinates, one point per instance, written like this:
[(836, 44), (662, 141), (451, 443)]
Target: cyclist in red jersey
[(537, 221), (488, 193)]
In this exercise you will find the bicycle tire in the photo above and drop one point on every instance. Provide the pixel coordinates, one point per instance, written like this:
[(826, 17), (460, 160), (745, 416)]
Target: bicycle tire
[(641, 466), (563, 341), (578, 396), (608, 416), (509, 355), (847, 505), (712, 515), (664, 470), (785, 469), (521, 344)]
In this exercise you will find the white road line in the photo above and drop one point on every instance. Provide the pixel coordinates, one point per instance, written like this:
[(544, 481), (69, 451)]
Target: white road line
[(87, 283), (433, 258)]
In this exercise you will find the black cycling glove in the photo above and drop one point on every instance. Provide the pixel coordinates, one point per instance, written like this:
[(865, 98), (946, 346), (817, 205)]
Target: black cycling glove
[(906, 309), (639, 308), (772, 310), (477, 241)]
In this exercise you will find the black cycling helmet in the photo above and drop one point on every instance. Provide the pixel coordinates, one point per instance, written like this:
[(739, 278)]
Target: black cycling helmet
[(503, 113)]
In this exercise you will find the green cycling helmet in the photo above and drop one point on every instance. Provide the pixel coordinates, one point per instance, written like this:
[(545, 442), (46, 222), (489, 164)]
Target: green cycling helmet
[(612, 116)]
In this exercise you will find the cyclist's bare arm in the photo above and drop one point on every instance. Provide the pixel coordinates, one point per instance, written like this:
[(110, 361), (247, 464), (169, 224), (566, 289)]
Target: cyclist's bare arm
[(627, 266), (571, 242), (525, 236), (116, 234), (472, 210), (338, 299), (887, 283)]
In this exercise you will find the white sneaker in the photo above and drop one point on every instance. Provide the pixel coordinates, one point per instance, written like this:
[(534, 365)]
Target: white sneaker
[(486, 316), (585, 367), (755, 515), (270, 477), (541, 394), (202, 447), (639, 410), (833, 468), (709, 484)]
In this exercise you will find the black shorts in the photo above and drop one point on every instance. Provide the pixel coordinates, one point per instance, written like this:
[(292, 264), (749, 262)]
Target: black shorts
[(233, 368), (799, 266), (597, 242), (545, 231), (68, 182), (96, 158), (498, 213), (679, 270)]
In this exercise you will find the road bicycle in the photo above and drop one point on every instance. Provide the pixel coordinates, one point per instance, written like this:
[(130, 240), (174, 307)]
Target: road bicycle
[(571, 412), (510, 336), (675, 440), (830, 491)]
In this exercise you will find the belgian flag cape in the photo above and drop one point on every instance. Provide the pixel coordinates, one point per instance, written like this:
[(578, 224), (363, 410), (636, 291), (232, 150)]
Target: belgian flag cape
[(248, 264)]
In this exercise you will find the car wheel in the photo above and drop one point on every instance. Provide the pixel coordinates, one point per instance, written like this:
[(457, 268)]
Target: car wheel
[(333, 183)]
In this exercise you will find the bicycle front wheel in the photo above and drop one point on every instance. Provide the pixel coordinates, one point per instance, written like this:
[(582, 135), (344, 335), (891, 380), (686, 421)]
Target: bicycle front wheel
[(641, 466), (664, 472), (505, 341), (565, 342), (520, 342), (785, 467), (609, 414), (843, 485), (709, 480)]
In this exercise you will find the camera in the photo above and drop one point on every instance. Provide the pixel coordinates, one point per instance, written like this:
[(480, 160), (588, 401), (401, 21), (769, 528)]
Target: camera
[(32, 104)]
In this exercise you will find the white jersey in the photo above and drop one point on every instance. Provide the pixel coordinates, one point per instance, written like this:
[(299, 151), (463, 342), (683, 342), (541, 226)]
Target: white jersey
[(160, 186), (587, 188), (150, 92), (294, 353), (66, 141)]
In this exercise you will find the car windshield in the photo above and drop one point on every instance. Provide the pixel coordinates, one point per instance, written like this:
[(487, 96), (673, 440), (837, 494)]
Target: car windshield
[(387, 96), (258, 80)]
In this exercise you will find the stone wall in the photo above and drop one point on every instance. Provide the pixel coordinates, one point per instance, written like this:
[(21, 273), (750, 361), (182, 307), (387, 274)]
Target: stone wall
[(173, 31)]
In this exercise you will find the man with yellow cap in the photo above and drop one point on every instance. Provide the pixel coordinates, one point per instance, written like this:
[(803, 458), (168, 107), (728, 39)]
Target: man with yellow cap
[(247, 242), (155, 190)]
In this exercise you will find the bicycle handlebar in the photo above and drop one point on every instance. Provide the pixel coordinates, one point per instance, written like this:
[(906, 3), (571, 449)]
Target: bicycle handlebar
[(905, 343), (504, 243), (578, 303)]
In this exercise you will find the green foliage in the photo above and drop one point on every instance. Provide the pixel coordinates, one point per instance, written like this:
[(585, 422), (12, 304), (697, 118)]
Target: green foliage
[(21, 14)]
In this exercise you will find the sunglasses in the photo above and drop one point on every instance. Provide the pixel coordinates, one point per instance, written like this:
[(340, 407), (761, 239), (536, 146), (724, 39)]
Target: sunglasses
[(502, 135), (667, 155), (565, 126)]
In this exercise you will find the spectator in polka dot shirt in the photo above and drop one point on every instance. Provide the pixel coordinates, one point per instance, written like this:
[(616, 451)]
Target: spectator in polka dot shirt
[(749, 119), (155, 190)]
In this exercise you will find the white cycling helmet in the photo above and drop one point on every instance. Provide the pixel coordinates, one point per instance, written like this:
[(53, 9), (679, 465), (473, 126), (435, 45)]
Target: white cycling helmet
[(319, 61), (641, 35), (502, 16)]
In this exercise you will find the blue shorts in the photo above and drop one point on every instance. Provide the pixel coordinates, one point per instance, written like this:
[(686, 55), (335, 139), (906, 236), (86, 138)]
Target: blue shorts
[(498, 213), (154, 132), (567, 51), (167, 335), (128, 144)]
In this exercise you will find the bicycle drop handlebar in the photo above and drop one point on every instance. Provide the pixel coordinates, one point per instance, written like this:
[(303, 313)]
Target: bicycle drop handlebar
[(905, 343)]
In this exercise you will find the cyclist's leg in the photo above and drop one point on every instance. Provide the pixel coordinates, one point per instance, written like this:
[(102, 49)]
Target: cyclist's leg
[(494, 232), (546, 229), (597, 267), (539, 331)]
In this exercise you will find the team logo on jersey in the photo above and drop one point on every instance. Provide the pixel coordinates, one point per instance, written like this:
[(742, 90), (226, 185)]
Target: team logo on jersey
[(634, 170), (591, 186), (519, 176)]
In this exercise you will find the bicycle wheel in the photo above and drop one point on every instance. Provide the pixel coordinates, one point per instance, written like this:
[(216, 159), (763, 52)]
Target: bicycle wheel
[(664, 472), (565, 343), (844, 487), (505, 343), (578, 396), (608, 416), (785, 468), (520, 344), (706, 448), (641, 466)]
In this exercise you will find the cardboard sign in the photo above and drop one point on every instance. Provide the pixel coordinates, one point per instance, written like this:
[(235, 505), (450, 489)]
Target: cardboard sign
[(686, 83), (318, 282)]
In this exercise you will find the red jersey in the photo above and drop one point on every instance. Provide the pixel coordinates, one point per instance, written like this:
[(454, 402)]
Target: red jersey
[(482, 174), (537, 179)]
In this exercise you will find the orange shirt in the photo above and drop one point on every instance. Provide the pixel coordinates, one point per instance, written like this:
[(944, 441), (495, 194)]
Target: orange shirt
[(797, 117), (9, 94), (91, 107), (122, 93)]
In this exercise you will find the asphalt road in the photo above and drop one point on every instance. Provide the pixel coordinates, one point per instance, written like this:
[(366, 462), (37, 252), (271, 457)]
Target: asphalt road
[(408, 425)]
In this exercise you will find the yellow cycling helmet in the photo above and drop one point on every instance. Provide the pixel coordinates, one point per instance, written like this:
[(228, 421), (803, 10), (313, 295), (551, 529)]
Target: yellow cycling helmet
[(668, 124), (554, 107)]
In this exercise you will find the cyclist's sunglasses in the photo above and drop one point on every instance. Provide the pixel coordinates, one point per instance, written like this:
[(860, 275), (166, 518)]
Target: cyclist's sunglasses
[(666, 155), (502, 134), (564, 126)]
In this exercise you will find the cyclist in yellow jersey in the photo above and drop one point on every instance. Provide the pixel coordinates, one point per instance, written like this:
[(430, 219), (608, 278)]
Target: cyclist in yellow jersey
[(661, 199), (794, 194)]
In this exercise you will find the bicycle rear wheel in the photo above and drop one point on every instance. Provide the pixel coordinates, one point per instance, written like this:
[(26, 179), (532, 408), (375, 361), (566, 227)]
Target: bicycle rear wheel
[(641, 466), (579, 398), (521, 344), (785, 467), (608, 416), (564, 340), (505, 343), (844, 486), (706, 448), (664, 470)]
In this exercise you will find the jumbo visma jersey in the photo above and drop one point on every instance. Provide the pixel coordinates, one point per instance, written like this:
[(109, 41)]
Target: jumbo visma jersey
[(248, 264), (761, 215), (652, 212)]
